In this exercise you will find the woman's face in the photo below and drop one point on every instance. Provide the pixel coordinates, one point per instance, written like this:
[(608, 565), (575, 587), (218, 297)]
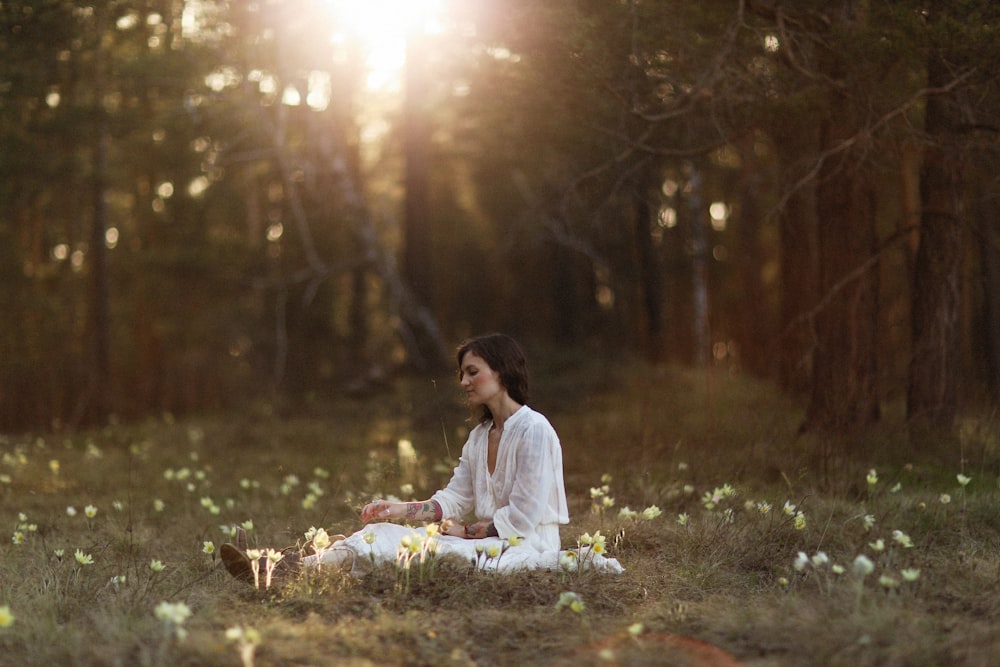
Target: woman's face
[(480, 382)]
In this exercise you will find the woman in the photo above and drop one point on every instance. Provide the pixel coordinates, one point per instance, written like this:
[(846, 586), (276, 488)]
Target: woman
[(509, 480)]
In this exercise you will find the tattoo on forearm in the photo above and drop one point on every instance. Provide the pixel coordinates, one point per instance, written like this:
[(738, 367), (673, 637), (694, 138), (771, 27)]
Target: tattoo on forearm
[(429, 510), (480, 530)]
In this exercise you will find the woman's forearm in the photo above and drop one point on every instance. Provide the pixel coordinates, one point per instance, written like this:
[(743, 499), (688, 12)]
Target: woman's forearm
[(470, 531), (380, 510), (425, 510)]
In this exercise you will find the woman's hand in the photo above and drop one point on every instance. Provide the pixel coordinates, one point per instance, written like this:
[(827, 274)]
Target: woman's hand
[(472, 531), (452, 527), (376, 510)]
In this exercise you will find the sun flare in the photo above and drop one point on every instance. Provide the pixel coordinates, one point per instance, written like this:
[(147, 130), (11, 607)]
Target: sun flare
[(383, 27)]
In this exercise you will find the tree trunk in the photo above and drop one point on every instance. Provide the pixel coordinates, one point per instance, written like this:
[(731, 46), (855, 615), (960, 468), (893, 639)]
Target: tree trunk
[(755, 323), (417, 249), (418, 329), (799, 261), (564, 294), (797, 222), (990, 221), (699, 272), (650, 269), (360, 330), (932, 395), (844, 393), (100, 386), (425, 341)]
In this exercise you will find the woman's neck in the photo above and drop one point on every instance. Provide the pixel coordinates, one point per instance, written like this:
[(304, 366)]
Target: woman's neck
[(503, 409)]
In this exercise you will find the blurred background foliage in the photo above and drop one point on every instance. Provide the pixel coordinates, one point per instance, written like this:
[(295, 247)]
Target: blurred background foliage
[(204, 203)]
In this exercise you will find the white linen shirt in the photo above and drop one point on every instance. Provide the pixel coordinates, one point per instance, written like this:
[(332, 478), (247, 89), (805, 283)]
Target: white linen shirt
[(525, 495)]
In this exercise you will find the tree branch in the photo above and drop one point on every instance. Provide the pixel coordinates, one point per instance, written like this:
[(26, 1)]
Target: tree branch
[(867, 132)]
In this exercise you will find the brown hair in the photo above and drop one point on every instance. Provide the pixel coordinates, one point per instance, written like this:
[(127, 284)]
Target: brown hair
[(504, 356)]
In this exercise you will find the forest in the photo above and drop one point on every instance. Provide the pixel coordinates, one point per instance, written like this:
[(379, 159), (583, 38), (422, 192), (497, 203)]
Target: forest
[(751, 249), (204, 203)]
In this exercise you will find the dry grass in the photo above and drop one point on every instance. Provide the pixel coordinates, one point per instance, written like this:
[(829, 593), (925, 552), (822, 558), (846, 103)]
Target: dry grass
[(665, 436)]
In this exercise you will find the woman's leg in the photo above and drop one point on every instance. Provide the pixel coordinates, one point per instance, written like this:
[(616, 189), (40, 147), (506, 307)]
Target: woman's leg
[(337, 558)]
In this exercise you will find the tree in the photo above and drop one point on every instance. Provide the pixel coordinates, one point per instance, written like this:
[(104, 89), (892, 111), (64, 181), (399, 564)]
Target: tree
[(933, 392), (99, 391), (820, 46), (49, 103), (958, 109), (555, 181), (796, 138)]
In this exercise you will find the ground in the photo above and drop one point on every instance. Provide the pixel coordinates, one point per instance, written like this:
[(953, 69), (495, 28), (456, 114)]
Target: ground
[(744, 541)]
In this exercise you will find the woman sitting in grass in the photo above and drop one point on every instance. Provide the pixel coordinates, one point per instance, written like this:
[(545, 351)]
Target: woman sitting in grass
[(509, 478)]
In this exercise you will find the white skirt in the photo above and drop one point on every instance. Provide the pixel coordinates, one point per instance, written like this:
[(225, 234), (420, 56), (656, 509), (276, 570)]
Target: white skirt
[(392, 543)]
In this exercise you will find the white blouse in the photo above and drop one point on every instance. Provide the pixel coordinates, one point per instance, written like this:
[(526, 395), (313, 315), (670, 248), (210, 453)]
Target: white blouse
[(525, 495)]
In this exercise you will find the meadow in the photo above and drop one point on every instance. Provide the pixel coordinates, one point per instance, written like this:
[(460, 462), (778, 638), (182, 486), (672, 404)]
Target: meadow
[(743, 540)]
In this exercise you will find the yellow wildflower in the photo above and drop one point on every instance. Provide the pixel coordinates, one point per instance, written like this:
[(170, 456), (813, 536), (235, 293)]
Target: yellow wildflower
[(321, 540), (651, 512)]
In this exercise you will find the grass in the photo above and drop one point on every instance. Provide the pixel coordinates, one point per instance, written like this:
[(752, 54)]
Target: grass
[(667, 437)]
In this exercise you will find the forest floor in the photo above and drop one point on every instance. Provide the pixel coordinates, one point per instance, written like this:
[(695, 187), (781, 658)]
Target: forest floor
[(743, 541)]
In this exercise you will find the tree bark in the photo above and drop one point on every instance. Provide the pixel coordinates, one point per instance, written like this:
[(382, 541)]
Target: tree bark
[(699, 269), (799, 261), (991, 294), (844, 394), (650, 269), (417, 249), (932, 393), (425, 341), (755, 320), (100, 386), (799, 256)]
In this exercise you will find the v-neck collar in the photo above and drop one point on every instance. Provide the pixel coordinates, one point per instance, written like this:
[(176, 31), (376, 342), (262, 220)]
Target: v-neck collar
[(506, 427)]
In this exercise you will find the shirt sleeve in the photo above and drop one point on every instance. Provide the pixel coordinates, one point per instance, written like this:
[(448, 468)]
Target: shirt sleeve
[(458, 497)]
